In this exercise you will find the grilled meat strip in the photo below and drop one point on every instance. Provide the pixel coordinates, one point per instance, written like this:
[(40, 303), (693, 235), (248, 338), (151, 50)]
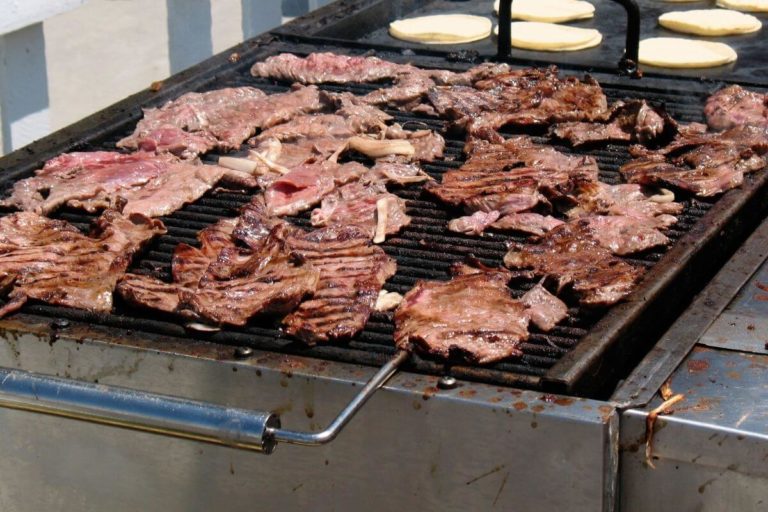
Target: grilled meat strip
[(472, 315), (705, 164), (352, 273), (328, 67), (196, 123), (572, 259), (51, 261), (221, 283), (526, 97), (545, 310), (137, 182), (365, 204), (631, 121), (735, 106), (509, 178)]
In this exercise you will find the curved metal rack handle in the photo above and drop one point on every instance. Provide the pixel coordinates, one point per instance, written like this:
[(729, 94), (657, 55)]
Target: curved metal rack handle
[(170, 416), (627, 64)]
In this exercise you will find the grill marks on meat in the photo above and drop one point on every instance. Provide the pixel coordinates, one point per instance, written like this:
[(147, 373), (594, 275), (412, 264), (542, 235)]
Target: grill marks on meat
[(137, 182), (51, 261), (510, 178), (221, 283), (705, 164), (735, 106), (196, 123), (572, 258), (473, 315), (352, 273), (632, 121), (527, 97)]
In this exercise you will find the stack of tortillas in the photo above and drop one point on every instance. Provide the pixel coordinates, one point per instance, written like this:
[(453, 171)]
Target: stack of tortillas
[(442, 29), (674, 52), (541, 32)]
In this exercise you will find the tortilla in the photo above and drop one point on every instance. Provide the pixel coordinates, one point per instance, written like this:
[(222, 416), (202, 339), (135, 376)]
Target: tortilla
[(442, 29), (534, 35), (710, 22), (744, 5), (675, 52), (551, 11)]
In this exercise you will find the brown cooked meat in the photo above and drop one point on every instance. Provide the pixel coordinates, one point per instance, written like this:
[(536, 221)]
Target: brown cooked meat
[(51, 261), (471, 315), (735, 106), (574, 260), (196, 123)]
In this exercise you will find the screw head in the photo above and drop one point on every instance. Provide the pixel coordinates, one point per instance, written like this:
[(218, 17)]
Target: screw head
[(243, 352), (447, 382)]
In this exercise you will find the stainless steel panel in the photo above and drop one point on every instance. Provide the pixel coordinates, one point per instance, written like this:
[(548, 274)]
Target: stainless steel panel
[(475, 447), (712, 453), (744, 324)]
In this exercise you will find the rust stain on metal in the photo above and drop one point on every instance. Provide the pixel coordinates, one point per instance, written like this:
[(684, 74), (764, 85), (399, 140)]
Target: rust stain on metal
[(762, 286), (467, 393), (559, 400), (234, 57), (697, 365), (156, 86), (309, 411), (428, 392), (519, 406), (416, 405), (495, 399), (538, 408), (734, 375)]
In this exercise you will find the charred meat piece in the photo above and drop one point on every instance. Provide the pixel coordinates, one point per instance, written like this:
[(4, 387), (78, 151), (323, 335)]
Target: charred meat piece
[(545, 310), (527, 97), (620, 234), (365, 204), (352, 273), (51, 261), (234, 286), (735, 106), (137, 182), (471, 315), (198, 122), (705, 164), (631, 121), (565, 255)]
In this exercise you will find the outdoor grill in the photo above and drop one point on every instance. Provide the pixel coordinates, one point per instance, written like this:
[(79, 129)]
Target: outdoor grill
[(555, 398)]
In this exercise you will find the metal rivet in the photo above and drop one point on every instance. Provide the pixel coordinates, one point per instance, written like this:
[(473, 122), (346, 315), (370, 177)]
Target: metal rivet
[(447, 382), (243, 352)]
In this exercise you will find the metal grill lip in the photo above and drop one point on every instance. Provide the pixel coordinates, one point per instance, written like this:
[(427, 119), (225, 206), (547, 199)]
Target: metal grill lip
[(534, 370)]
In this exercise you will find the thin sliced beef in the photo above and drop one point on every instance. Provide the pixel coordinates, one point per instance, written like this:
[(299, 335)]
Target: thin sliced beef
[(396, 171), (620, 234), (198, 122), (705, 164), (473, 224), (365, 204), (352, 273), (231, 287), (471, 315), (545, 310), (319, 68), (530, 223), (735, 106), (632, 121), (51, 261), (657, 208), (306, 185), (136, 182), (526, 97), (572, 260)]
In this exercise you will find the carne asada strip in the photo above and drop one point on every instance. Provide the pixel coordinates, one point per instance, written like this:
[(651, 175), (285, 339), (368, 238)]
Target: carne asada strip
[(51, 261), (735, 106)]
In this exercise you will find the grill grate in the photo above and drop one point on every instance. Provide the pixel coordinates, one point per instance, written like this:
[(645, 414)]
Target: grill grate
[(423, 250)]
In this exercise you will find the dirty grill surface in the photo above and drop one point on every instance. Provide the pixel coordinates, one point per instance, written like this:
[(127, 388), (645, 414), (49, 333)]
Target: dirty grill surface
[(423, 250)]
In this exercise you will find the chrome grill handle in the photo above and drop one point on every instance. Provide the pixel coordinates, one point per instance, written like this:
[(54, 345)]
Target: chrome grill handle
[(171, 416)]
